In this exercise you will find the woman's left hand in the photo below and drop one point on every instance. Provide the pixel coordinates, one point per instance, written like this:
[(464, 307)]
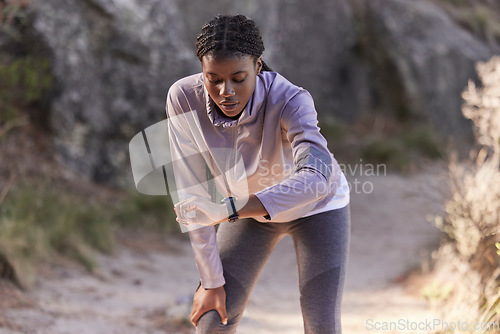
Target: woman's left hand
[(199, 210), (209, 299)]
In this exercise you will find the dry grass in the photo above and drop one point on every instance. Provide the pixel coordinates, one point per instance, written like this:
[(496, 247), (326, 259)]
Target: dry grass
[(467, 265), (47, 212)]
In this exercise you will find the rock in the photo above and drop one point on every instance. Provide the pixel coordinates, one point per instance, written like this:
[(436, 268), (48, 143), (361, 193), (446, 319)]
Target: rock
[(309, 43), (113, 62), (420, 61)]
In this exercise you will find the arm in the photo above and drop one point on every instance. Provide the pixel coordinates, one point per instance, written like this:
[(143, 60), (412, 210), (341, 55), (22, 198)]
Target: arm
[(206, 299), (316, 171), (190, 181), (253, 208), (207, 213)]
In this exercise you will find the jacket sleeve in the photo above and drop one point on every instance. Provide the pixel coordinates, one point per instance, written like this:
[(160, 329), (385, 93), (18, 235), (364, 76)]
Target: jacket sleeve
[(191, 180), (316, 172)]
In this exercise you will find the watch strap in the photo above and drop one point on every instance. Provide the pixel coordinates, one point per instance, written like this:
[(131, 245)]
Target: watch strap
[(231, 209)]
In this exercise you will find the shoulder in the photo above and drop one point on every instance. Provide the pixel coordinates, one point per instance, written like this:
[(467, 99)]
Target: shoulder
[(192, 84), (190, 87), (292, 102), (185, 94), (281, 91)]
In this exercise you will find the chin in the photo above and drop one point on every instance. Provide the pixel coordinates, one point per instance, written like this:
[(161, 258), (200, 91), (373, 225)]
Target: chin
[(230, 113), (233, 114)]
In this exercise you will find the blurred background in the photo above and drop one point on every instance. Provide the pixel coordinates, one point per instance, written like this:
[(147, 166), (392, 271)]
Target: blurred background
[(395, 83)]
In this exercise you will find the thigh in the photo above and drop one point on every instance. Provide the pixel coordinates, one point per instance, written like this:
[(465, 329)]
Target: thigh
[(244, 247), (321, 242)]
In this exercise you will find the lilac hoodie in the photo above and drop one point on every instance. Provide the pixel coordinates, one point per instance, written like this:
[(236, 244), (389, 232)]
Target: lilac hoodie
[(273, 150)]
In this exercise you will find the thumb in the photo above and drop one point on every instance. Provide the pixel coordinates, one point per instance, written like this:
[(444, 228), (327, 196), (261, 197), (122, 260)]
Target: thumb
[(223, 314)]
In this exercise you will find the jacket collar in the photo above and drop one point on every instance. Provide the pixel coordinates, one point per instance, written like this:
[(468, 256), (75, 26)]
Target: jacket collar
[(255, 104)]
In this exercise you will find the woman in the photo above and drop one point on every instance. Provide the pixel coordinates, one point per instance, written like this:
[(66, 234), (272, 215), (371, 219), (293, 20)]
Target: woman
[(256, 136)]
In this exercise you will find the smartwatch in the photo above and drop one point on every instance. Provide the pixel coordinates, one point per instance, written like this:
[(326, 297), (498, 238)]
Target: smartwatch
[(231, 209)]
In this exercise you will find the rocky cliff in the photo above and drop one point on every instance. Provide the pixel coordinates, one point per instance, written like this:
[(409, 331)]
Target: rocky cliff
[(113, 61)]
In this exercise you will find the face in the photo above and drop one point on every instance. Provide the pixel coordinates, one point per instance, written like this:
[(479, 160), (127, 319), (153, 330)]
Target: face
[(230, 82)]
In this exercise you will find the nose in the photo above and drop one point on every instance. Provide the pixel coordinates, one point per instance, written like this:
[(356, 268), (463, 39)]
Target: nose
[(227, 90)]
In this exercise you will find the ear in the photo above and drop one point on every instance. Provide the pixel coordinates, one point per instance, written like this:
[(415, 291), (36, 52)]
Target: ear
[(258, 64)]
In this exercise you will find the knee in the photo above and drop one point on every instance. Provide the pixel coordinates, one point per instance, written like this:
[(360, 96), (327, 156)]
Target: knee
[(210, 322)]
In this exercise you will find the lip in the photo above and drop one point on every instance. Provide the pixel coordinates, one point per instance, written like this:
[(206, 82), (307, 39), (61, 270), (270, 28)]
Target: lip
[(229, 106)]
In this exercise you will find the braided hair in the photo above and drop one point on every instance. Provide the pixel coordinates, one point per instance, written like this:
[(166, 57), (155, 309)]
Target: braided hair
[(230, 36)]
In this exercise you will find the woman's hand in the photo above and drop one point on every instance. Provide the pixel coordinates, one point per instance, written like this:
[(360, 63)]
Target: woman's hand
[(209, 299), (199, 210)]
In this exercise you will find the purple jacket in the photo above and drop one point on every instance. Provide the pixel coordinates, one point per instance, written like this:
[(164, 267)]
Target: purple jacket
[(274, 150)]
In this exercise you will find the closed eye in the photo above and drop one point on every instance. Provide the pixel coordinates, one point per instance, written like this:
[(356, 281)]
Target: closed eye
[(216, 82)]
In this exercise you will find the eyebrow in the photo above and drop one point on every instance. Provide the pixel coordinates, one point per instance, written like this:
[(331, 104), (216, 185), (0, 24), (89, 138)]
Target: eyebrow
[(231, 74)]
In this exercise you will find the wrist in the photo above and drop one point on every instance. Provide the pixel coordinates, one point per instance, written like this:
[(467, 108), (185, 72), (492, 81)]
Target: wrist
[(251, 207), (232, 212)]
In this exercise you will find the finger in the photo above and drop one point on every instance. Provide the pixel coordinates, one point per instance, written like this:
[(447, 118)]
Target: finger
[(188, 212), (191, 216), (190, 206), (184, 223), (178, 211), (180, 216), (195, 316), (223, 314), (191, 318)]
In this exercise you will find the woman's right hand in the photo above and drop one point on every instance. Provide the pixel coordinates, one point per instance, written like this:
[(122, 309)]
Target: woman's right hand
[(199, 210), (209, 299)]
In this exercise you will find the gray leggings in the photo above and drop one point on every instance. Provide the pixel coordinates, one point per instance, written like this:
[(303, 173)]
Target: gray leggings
[(321, 244)]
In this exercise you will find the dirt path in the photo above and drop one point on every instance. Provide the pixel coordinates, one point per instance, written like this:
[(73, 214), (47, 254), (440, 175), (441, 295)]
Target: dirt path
[(146, 287)]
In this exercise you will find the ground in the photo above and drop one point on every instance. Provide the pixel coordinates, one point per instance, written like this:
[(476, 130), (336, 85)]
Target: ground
[(146, 286)]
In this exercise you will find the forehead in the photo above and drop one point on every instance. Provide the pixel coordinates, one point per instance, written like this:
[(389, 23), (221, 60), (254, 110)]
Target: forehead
[(226, 65)]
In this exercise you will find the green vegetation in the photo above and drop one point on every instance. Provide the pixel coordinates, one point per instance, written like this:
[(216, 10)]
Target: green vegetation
[(23, 81), (154, 213), (25, 75), (425, 142), (399, 146), (385, 151), (334, 130), (404, 148), (42, 221), (39, 222), (479, 20), (13, 15)]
